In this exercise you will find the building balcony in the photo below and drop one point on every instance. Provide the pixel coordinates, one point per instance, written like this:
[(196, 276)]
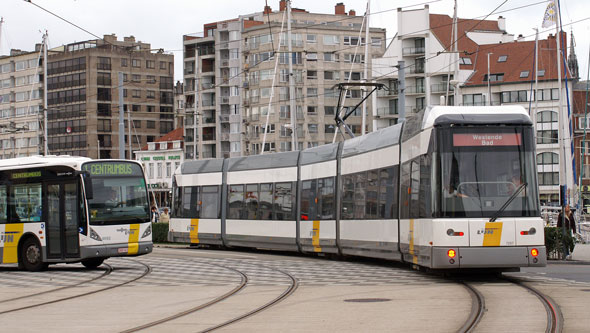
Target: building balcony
[(413, 70), (441, 88), (208, 104), (224, 100), (387, 112), (207, 85), (415, 90), (413, 51), (209, 120), (224, 137), (224, 118), (387, 93)]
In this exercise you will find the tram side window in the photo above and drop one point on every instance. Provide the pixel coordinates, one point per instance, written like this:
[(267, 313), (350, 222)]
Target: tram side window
[(404, 188), (190, 200), (25, 203), (372, 199), (425, 187), (326, 196), (235, 201), (360, 185), (414, 190), (252, 201), (3, 204), (284, 201), (387, 193), (209, 204), (309, 200), (177, 201), (266, 193), (347, 197)]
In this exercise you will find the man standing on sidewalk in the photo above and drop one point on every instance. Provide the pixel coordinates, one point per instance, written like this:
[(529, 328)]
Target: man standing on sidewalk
[(570, 226)]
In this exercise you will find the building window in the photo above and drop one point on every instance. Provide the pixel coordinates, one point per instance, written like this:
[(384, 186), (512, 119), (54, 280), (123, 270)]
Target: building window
[(465, 61), (136, 93), (136, 63), (541, 72), (547, 117), (524, 74), (104, 63), (311, 39), (547, 158), (547, 137), (124, 62), (548, 178), (502, 58), (494, 77), (150, 124), (473, 100), (150, 64)]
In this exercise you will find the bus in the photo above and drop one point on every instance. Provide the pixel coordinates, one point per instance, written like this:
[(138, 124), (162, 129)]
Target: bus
[(63, 209)]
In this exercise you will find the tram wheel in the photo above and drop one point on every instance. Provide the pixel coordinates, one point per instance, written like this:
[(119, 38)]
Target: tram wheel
[(31, 257), (92, 263)]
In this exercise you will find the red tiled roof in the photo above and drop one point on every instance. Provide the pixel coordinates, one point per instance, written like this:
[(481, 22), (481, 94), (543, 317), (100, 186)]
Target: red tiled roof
[(175, 135), (520, 57), (441, 26)]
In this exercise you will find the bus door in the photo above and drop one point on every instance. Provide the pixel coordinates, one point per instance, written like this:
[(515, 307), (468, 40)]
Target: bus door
[(63, 215)]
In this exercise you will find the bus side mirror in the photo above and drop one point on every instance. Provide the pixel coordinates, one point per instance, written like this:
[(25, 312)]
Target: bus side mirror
[(88, 185)]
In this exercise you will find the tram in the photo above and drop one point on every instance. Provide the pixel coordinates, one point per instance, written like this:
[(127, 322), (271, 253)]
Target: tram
[(56, 209), (450, 188)]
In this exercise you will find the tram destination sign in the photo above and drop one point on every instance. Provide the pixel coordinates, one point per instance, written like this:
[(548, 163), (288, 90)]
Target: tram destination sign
[(112, 169), (487, 139)]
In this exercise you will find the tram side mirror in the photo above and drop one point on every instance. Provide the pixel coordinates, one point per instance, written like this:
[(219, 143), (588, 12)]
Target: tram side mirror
[(88, 185)]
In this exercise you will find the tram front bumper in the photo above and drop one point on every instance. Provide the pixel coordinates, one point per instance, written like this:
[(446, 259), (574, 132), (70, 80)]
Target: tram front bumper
[(117, 250), (489, 257)]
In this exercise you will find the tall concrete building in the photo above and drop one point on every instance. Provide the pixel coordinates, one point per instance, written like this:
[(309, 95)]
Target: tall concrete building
[(229, 73), (83, 96), (21, 99), (433, 70)]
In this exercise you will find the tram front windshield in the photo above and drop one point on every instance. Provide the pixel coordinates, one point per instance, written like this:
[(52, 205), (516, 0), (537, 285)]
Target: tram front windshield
[(481, 168), (119, 193)]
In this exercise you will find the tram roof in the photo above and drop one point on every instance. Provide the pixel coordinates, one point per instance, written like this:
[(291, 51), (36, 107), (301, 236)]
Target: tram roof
[(512, 114), (266, 161), (385, 137), (202, 166), (43, 161)]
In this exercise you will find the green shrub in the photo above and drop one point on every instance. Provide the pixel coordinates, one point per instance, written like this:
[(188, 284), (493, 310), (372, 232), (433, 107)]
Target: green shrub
[(160, 232), (554, 240)]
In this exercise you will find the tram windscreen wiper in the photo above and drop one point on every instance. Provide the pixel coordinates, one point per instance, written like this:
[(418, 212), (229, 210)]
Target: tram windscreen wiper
[(518, 190)]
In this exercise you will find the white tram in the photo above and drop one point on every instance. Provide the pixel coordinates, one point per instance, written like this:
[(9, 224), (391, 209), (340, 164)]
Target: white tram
[(72, 209), (452, 187)]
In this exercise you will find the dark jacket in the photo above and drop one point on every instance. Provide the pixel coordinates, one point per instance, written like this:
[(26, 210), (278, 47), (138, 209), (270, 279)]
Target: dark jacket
[(570, 222)]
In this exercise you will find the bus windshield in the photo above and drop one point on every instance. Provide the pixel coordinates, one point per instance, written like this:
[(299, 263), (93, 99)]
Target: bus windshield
[(119, 193), (482, 167)]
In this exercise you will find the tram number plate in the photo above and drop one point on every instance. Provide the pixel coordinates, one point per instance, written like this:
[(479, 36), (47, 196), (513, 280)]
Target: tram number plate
[(122, 250)]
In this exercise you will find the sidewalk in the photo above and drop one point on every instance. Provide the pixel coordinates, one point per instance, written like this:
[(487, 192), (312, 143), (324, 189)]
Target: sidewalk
[(581, 252)]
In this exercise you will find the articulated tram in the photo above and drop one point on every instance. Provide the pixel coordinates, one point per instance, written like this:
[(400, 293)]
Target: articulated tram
[(57, 209), (450, 188)]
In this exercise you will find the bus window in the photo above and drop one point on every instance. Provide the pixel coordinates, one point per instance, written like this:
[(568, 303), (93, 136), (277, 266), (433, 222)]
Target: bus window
[(3, 204), (26, 203)]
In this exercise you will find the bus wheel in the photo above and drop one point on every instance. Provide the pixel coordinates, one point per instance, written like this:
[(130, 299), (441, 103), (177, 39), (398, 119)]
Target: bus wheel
[(92, 263), (31, 257)]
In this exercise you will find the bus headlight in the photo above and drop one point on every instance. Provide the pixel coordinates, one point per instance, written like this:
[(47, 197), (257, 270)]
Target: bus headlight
[(147, 231), (94, 235)]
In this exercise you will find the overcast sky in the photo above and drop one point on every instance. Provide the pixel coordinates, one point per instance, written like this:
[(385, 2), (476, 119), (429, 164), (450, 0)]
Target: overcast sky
[(162, 23)]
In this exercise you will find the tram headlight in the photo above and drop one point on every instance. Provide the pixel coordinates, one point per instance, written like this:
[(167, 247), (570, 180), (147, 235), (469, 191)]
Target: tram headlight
[(95, 235), (147, 231), (452, 253)]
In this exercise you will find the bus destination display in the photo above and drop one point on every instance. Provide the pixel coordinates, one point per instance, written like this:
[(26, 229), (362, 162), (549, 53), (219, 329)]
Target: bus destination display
[(112, 169)]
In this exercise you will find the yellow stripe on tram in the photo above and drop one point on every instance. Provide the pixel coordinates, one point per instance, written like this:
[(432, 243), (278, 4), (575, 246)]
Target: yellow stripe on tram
[(412, 251), (492, 234), (133, 239), (12, 234), (194, 231), (315, 240)]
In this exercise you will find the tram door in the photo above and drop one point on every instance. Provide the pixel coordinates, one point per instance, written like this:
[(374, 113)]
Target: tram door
[(63, 200)]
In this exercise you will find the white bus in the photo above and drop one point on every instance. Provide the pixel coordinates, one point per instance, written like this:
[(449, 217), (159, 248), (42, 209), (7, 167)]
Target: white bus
[(56, 209)]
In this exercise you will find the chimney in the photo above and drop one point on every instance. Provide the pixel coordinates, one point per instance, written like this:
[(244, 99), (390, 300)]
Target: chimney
[(282, 5), (520, 37), (352, 13), (110, 38), (340, 9), (129, 39), (267, 10), (501, 23)]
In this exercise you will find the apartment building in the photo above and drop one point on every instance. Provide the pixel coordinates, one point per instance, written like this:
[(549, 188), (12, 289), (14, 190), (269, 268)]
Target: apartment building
[(433, 70), (21, 100), (229, 74), (83, 96)]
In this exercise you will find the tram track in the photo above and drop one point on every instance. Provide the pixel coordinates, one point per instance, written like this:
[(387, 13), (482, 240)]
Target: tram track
[(107, 271), (478, 308), (243, 284), (554, 316), (147, 270)]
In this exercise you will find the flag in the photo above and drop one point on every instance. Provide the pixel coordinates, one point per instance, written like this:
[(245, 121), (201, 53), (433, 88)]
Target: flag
[(550, 17)]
